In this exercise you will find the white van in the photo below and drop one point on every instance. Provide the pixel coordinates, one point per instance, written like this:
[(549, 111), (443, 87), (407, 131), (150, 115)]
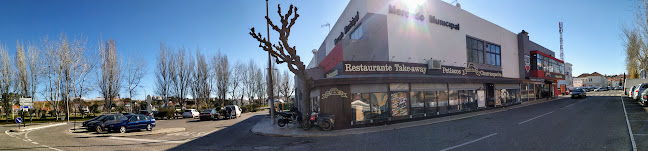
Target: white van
[(236, 110)]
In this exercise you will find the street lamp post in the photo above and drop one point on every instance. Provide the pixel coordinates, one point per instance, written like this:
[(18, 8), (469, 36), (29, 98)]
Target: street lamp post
[(270, 85)]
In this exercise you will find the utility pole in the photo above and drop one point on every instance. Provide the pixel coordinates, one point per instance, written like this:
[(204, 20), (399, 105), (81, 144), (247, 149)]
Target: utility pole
[(270, 85), (560, 30)]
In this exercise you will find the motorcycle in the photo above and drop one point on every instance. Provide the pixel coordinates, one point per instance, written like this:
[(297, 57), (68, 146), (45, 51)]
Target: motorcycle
[(323, 122), (289, 117)]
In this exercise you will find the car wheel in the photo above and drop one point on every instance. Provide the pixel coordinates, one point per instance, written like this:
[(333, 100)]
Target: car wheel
[(281, 123), (149, 127), (98, 129), (122, 129)]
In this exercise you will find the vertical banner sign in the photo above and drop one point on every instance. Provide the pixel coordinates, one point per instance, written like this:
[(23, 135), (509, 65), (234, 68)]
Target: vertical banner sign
[(527, 63), (481, 98)]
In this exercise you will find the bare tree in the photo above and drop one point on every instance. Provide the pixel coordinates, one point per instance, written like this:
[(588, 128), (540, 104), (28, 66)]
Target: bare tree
[(110, 77), (283, 52), (180, 72), (51, 73), (200, 79), (632, 44), (35, 70), (162, 75), (260, 85), (135, 70), (6, 80), (21, 65), (222, 73), (286, 89), (249, 80), (236, 79)]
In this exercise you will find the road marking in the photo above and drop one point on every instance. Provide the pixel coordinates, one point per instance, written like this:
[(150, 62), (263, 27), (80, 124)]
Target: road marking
[(466, 143), (146, 140), (572, 104), (535, 118), (35, 128), (34, 143), (634, 146)]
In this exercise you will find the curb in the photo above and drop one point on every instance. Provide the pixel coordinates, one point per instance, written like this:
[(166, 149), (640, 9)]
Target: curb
[(288, 132), (143, 133)]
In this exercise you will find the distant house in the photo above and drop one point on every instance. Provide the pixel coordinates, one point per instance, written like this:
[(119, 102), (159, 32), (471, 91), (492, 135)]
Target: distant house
[(594, 79)]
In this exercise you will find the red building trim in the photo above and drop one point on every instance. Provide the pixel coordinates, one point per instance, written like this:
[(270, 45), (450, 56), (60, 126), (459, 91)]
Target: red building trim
[(333, 58)]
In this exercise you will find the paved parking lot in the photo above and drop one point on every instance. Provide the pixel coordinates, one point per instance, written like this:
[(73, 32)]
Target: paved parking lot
[(638, 120)]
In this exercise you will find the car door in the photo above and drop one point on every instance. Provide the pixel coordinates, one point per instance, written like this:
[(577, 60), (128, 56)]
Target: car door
[(132, 123), (143, 122)]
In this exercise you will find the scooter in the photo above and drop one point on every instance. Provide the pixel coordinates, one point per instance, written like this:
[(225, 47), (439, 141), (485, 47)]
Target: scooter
[(323, 122)]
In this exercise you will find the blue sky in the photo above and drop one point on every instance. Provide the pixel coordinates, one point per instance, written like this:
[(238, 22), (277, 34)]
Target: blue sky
[(592, 40)]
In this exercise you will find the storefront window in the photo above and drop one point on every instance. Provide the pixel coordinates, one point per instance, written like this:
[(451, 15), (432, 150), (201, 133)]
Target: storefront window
[(454, 100), (431, 100), (471, 100), (379, 106), (360, 107), (399, 104), (418, 104), (442, 101)]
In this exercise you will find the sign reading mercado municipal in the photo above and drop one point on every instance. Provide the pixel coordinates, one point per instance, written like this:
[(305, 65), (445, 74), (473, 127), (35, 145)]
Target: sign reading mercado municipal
[(420, 17)]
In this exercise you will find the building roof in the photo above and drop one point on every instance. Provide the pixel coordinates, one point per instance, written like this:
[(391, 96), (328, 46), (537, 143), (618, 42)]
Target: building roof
[(587, 75)]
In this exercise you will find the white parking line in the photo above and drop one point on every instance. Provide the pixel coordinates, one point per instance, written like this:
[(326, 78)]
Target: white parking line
[(634, 146), (146, 140), (35, 128), (535, 118), (466, 143)]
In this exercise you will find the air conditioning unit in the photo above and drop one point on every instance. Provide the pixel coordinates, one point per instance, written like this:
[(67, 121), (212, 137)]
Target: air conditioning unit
[(434, 64)]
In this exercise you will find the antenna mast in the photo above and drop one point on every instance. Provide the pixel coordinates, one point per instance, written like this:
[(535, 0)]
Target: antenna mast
[(560, 29)]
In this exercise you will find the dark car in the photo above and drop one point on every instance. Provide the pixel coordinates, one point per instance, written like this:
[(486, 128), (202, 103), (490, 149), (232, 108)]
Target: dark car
[(131, 122), (99, 124), (209, 114), (580, 93), (85, 123)]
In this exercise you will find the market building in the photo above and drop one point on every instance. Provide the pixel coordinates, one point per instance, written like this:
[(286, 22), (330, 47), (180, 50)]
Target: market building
[(391, 60)]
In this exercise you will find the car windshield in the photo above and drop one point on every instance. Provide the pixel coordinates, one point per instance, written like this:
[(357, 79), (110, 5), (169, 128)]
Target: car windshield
[(207, 111), (578, 90)]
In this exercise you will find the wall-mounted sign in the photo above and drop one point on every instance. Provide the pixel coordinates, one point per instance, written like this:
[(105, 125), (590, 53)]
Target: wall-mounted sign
[(332, 73), (554, 75), (334, 91), (470, 69), (357, 67), (418, 16), (352, 22)]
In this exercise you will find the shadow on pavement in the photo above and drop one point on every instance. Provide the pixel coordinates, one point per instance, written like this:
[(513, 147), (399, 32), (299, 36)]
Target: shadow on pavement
[(239, 137)]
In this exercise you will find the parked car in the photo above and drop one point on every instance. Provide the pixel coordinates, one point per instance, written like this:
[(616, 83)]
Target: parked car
[(631, 91), (601, 89), (99, 124), (85, 123), (190, 113), (643, 98), (580, 93), (584, 89), (130, 122), (638, 90), (209, 114), (235, 111)]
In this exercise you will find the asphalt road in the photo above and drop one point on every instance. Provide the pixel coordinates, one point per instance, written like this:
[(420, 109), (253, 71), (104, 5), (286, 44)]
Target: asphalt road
[(594, 123)]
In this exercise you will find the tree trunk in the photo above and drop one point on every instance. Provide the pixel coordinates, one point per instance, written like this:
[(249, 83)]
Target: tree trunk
[(306, 99)]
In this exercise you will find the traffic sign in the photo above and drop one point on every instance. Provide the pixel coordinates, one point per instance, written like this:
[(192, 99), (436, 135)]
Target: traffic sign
[(19, 120)]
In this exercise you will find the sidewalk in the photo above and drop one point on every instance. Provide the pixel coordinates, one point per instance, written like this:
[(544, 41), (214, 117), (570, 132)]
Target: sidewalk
[(263, 126)]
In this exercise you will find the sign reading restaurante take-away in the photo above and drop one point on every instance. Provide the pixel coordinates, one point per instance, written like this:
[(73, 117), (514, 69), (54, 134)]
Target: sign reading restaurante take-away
[(376, 67)]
